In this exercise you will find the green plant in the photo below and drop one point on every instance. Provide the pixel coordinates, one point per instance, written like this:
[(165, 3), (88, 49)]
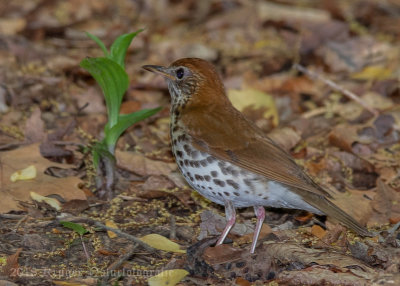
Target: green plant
[(109, 73), (79, 229)]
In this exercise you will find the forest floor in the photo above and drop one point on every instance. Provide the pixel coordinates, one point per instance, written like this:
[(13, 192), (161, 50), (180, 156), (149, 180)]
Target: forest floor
[(321, 78)]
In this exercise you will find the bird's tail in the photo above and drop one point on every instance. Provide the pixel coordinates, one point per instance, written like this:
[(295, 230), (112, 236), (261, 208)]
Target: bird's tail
[(330, 209)]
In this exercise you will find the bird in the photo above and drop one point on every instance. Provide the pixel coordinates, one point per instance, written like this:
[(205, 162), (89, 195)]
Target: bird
[(229, 160)]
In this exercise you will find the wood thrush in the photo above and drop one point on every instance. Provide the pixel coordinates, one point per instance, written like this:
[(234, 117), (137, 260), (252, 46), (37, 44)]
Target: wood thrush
[(227, 158)]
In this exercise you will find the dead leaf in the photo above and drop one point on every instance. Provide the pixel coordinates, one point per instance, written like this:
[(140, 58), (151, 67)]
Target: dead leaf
[(11, 269), (318, 231), (25, 174), (168, 277), (139, 164), (112, 224), (373, 73), (50, 201), (11, 193), (160, 242), (252, 100), (34, 127), (386, 204)]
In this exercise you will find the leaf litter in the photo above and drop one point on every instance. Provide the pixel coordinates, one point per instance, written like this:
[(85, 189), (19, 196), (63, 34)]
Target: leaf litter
[(48, 101)]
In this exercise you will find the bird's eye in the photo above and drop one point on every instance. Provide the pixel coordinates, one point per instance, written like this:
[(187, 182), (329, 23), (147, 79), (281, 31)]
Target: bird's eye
[(180, 73)]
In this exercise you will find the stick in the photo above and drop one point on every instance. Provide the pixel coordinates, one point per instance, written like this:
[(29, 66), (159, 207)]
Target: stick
[(337, 87)]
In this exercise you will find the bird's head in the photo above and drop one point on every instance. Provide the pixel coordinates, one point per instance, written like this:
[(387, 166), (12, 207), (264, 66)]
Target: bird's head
[(191, 79)]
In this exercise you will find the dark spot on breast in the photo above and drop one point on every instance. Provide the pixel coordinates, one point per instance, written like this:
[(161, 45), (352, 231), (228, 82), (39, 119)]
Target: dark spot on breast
[(203, 163), (195, 154), (175, 128), (233, 184), (219, 194), (219, 182), (247, 192), (213, 192), (210, 188), (174, 142), (198, 177), (235, 173), (179, 154), (265, 197), (240, 264), (236, 194), (187, 149), (259, 195), (207, 178), (186, 162), (180, 162), (191, 178), (181, 138), (227, 194), (210, 159), (221, 164), (247, 182), (196, 164), (191, 163), (214, 174)]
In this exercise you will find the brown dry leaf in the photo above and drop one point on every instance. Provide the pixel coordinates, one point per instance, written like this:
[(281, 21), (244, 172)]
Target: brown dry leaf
[(223, 253), (362, 199), (285, 137), (11, 268), (318, 231), (34, 127), (251, 101), (213, 224), (344, 136), (386, 204), (11, 193), (247, 238), (139, 164), (12, 26), (112, 224)]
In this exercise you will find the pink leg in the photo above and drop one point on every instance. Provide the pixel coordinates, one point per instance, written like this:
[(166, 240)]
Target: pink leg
[(260, 214), (230, 214)]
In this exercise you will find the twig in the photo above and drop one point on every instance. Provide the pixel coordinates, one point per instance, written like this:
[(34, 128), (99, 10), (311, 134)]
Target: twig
[(127, 236), (172, 234), (131, 250), (84, 248), (337, 87)]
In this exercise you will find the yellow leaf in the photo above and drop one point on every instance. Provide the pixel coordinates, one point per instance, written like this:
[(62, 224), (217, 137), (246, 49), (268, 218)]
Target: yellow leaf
[(50, 201), (112, 224), (160, 242), (25, 174), (167, 277), (373, 73), (254, 99)]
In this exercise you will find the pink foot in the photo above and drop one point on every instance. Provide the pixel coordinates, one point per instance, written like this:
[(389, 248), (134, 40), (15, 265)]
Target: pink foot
[(230, 214), (260, 214)]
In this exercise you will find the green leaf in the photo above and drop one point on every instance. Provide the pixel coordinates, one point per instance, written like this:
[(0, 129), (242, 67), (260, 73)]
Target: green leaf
[(75, 227), (126, 120), (101, 150), (112, 79), (99, 42), (120, 46)]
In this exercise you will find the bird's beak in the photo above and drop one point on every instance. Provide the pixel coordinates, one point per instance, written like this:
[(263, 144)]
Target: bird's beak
[(159, 70)]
